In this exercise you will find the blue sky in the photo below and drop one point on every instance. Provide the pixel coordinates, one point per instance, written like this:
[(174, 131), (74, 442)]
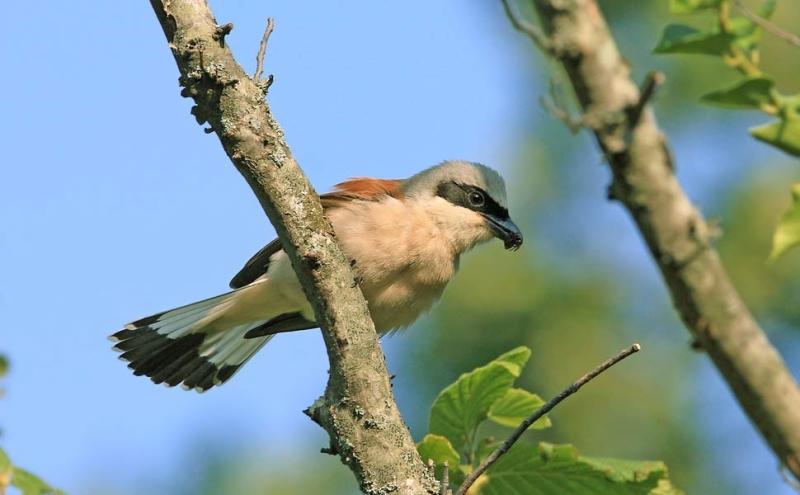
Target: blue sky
[(114, 204)]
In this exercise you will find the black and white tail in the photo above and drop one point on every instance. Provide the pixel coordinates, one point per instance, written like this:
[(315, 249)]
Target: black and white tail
[(179, 346)]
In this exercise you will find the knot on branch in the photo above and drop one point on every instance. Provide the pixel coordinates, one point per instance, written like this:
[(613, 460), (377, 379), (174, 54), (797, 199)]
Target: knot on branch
[(651, 83), (312, 261), (200, 115), (204, 81), (221, 32), (264, 84), (315, 410)]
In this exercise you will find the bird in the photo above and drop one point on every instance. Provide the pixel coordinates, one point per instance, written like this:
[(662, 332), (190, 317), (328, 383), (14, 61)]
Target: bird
[(404, 238)]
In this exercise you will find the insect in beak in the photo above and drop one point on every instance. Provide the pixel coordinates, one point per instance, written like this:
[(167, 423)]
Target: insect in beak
[(505, 230)]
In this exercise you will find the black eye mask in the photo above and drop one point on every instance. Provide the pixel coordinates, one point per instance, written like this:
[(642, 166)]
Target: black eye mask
[(458, 194)]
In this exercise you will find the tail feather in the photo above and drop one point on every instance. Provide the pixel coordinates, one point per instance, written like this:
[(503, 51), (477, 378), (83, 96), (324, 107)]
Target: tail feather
[(179, 347), (139, 340), (137, 352), (201, 379), (172, 373)]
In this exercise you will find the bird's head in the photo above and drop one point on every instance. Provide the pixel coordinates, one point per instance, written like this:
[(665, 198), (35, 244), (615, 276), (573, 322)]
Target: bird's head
[(469, 202)]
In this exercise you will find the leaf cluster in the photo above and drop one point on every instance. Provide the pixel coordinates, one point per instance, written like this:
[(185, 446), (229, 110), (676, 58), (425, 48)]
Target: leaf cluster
[(487, 394), (26, 482), (10, 475), (736, 40)]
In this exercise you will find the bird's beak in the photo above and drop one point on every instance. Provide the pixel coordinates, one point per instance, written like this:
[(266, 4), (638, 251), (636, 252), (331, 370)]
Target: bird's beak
[(506, 230)]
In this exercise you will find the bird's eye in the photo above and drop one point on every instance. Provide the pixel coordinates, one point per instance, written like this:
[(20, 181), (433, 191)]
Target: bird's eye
[(476, 199)]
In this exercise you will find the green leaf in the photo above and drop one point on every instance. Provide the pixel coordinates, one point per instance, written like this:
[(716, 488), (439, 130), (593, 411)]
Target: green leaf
[(627, 471), (748, 93), (5, 462), (438, 448), (463, 405), (784, 134), (3, 365), (623, 470), (558, 469), (767, 9), (515, 406), (27, 483), (678, 38), (665, 487), (563, 452), (690, 6), (30, 484), (6, 470), (787, 235), (515, 359)]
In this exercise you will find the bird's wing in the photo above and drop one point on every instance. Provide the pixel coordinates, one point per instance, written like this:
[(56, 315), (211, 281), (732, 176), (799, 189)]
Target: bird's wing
[(358, 189), (287, 322), (256, 266), (364, 189)]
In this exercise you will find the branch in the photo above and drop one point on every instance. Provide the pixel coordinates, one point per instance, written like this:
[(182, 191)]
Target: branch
[(262, 49), (534, 33), (444, 486), (222, 31), (511, 440), (677, 235), (768, 26), (358, 409)]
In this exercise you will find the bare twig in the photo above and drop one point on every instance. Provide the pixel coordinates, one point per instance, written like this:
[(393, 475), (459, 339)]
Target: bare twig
[(574, 124), (768, 26), (262, 49), (512, 439), (444, 489), (652, 82), (555, 106), (534, 33)]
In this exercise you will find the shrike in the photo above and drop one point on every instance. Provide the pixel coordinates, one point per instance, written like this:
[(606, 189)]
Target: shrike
[(404, 237)]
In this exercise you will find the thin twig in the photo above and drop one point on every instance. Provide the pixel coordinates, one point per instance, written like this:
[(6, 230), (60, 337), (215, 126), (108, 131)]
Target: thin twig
[(556, 107), (444, 488), (262, 49), (534, 33), (574, 124), (652, 82), (492, 458), (768, 26)]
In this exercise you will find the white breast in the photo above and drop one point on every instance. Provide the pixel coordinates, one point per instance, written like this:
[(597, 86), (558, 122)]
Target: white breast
[(401, 256)]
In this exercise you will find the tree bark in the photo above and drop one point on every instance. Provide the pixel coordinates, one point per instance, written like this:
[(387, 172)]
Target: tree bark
[(675, 232), (358, 409)]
